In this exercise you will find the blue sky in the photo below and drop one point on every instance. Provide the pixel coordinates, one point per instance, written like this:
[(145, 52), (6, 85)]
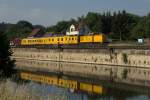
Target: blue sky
[(49, 12)]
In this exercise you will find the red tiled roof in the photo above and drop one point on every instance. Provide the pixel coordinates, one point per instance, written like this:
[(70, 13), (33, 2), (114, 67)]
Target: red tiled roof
[(34, 32)]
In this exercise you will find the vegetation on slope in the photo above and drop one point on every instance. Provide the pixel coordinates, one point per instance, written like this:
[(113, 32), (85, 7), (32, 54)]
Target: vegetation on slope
[(119, 25)]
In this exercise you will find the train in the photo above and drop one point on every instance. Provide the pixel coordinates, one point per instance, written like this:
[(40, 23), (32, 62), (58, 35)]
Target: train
[(64, 40), (72, 37), (73, 85)]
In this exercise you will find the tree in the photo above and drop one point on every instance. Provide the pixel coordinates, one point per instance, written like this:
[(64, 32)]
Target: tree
[(60, 27), (94, 22), (106, 22), (142, 29), (19, 30), (121, 25), (6, 65)]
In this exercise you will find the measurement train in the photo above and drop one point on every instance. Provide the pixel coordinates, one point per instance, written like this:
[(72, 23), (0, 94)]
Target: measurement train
[(71, 38)]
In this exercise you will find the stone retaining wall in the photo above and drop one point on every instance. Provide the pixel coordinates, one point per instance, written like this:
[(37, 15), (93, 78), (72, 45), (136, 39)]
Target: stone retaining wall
[(135, 58)]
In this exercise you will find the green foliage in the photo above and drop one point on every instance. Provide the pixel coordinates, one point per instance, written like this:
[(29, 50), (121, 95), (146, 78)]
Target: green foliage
[(94, 22), (19, 30), (6, 65), (121, 26), (106, 22), (142, 29), (61, 26), (118, 26)]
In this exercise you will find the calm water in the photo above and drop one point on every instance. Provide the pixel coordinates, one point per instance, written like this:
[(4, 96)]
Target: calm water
[(115, 91), (44, 89)]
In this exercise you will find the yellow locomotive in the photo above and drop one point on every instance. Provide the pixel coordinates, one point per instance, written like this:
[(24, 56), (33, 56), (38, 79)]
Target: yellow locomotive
[(71, 37)]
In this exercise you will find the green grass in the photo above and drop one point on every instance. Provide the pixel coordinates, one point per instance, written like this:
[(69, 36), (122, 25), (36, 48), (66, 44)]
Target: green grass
[(11, 91)]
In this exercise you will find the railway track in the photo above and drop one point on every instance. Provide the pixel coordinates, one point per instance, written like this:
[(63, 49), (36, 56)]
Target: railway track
[(90, 46)]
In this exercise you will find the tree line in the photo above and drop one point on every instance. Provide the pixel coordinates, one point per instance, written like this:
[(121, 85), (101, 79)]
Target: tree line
[(121, 26)]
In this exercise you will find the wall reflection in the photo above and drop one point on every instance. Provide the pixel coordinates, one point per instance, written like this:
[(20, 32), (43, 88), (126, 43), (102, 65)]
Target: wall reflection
[(122, 74), (105, 82)]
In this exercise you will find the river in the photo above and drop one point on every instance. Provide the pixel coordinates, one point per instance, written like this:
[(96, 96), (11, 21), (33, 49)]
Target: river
[(124, 85)]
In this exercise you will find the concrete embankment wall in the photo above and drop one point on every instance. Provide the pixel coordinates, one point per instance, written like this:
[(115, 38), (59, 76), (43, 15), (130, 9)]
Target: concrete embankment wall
[(127, 66), (127, 57)]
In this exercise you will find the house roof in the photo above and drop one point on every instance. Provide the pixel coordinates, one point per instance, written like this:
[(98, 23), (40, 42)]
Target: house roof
[(34, 32)]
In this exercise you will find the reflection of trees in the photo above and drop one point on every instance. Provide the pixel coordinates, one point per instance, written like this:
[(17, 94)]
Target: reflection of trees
[(6, 65)]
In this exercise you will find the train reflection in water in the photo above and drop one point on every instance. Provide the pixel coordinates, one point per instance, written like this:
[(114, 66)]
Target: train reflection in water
[(73, 85), (119, 74), (102, 79)]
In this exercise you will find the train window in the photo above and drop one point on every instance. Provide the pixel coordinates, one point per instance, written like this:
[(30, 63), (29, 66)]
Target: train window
[(52, 39), (72, 38), (61, 39), (49, 39), (58, 39), (66, 39)]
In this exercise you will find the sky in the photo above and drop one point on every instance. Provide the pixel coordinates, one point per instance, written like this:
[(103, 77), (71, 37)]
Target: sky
[(49, 12)]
